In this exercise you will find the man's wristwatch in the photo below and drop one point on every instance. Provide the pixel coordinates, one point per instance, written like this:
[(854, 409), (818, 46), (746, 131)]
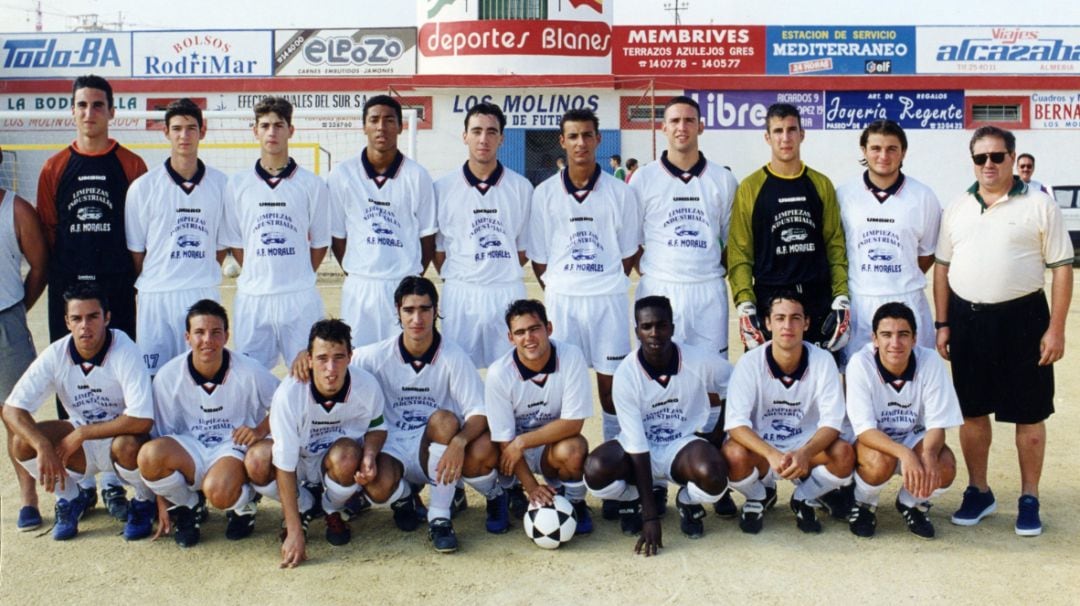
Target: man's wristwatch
[(938, 325)]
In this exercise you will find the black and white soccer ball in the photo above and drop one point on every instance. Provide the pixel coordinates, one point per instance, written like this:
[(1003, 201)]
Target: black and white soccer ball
[(550, 525)]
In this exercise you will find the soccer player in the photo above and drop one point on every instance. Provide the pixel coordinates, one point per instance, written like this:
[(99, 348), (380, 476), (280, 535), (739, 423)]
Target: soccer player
[(98, 375), (537, 398), (483, 215), (209, 406), (327, 431), (785, 412), (582, 243), (172, 218), (80, 199), (786, 235), (278, 226), (661, 395), (21, 238), (997, 241), (383, 217), (900, 401), (891, 226)]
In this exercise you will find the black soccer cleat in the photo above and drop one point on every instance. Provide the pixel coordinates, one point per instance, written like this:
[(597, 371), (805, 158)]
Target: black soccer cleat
[(690, 519), (770, 497), (839, 502), (805, 516), (630, 521), (752, 516), (442, 536), (240, 522), (609, 509), (659, 494), (460, 502), (338, 531), (115, 498), (916, 519), (519, 504), (185, 526), (862, 520), (405, 517), (725, 507), (201, 512)]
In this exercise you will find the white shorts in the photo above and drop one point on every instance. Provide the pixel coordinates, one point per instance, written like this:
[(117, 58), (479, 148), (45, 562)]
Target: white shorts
[(474, 317), (367, 306), (269, 326), (598, 324), (204, 456), (309, 468), (162, 320), (98, 455), (863, 308), (663, 456), (406, 449), (700, 310)]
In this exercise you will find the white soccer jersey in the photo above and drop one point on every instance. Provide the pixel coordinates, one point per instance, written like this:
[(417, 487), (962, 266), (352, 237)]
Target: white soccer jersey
[(113, 383), (785, 410), (176, 223), (444, 378), (210, 408), (583, 235), (518, 400), (659, 406), (306, 424), (886, 233), (685, 218), (921, 398), (382, 215), (276, 220), (482, 225)]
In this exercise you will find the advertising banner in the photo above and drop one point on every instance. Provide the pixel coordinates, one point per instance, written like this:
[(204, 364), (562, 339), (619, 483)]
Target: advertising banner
[(745, 110), (345, 52), (1055, 110), (202, 54), (934, 110), (698, 50), (1040, 50), (536, 108), (828, 50), (65, 55)]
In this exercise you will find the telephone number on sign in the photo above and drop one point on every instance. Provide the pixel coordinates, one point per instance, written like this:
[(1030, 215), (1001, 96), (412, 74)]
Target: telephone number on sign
[(720, 63), (665, 63)]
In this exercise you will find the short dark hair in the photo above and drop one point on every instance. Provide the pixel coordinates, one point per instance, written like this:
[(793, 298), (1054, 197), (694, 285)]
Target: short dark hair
[(415, 285), (781, 111), (486, 109), (788, 295), (386, 100), (86, 291), (654, 302), (993, 131), (617, 158), (582, 114), (183, 107), (631, 164), (92, 81), (1026, 155), (331, 330), (884, 127), (897, 311), (206, 307), (683, 100), (526, 307), (276, 105)]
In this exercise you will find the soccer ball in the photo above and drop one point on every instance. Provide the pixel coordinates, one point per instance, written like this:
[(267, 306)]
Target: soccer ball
[(550, 525)]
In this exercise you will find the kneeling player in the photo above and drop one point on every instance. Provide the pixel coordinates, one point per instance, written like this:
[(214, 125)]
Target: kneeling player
[(900, 402), (661, 394), (210, 406), (537, 398), (101, 381), (329, 431), (784, 417)]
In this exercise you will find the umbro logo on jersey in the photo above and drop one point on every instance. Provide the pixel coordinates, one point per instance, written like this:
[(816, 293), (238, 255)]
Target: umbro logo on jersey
[(614, 358), (535, 404), (792, 199), (667, 401), (898, 404), (785, 402), (218, 409)]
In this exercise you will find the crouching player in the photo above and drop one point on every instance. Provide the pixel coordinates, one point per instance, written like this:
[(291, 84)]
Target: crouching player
[(784, 417), (900, 401), (537, 397), (210, 405), (328, 431), (661, 394), (99, 376)]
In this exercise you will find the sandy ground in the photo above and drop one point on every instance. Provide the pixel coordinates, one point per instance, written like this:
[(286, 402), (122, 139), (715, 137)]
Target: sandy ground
[(984, 564)]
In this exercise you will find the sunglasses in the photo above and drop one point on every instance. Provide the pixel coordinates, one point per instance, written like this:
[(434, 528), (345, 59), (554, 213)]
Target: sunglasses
[(995, 157)]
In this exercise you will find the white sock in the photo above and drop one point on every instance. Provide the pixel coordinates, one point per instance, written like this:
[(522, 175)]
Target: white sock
[(907, 499), (696, 495), (442, 495), (618, 490), (575, 491), (133, 479), (88, 482), (334, 495), (821, 480), (866, 492), (269, 491), (938, 492), (750, 487), (71, 485), (486, 485), (108, 478), (403, 490), (175, 489), (246, 494), (610, 426)]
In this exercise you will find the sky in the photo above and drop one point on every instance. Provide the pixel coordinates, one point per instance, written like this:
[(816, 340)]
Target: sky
[(59, 15)]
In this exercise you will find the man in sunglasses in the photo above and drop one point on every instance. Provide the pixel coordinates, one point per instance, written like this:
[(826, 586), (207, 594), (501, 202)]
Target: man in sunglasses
[(996, 241)]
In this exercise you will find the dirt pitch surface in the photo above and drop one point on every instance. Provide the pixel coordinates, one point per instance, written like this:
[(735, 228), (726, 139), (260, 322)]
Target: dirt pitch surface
[(985, 564)]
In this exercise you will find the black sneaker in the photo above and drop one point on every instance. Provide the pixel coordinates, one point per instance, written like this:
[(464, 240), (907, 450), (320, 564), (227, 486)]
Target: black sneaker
[(862, 520), (201, 512), (89, 497), (630, 517), (357, 504), (752, 516), (115, 498), (338, 532), (519, 504), (460, 502), (421, 509), (305, 520), (185, 526), (770, 497), (690, 519), (725, 507), (405, 514), (583, 515), (240, 522), (441, 534), (915, 518), (805, 516), (659, 495), (839, 502), (609, 509)]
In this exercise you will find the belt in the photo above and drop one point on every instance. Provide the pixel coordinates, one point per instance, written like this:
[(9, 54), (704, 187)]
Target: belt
[(1004, 305)]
